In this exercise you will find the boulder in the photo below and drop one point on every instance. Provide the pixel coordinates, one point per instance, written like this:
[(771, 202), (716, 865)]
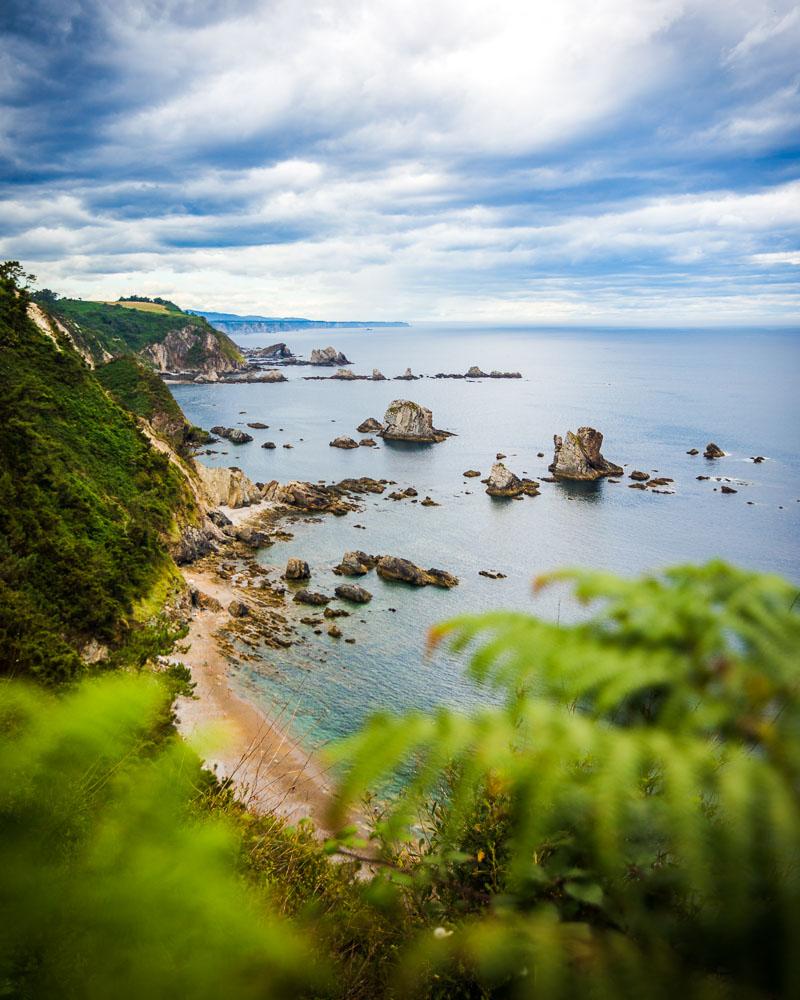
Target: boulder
[(475, 372), (727, 489), (369, 426), (693, 451), (404, 571), (713, 451), (238, 609), (334, 631), (578, 457), (356, 563), (269, 445), (352, 592), (503, 483), (250, 536), (343, 442), (310, 597), (367, 443), (408, 421), (640, 477), (471, 474), (428, 502), (204, 601), (258, 426), (217, 517), (297, 569), (328, 356)]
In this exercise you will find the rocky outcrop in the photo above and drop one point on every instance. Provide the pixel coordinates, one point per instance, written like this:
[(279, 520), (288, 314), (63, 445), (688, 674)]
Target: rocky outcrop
[(404, 571), (269, 445), (640, 477), (369, 426), (367, 443), (408, 421), (503, 483), (233, 434), (258, 426), (407, 376), (270, 375), (229, 487), (278, 352), (297, 569), (713, 451), (475, 372), (496, 374), (343, 442), (192, 348), (345, 375), (578, 456), (352, 592), (328, 356), (378, 376), (238, 609), (308, 496), (194, 543), (362, 485), (356, 563)]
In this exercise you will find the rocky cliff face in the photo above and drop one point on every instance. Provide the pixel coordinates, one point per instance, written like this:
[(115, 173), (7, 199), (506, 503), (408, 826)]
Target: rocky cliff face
[(578, 456), (191, 348), (230, 487), (408, 421)]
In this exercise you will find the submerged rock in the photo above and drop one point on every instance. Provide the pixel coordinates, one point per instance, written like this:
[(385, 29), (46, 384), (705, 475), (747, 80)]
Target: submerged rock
[(258, 426), (328, 356), (408, 421), (343, 442), (352, 592), (311, 597), (369, 426), (713, 451), (578, 457), (297, 569)]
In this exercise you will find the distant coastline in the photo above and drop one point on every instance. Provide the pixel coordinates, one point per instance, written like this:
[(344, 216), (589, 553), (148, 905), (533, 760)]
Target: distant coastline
[(230, 323)]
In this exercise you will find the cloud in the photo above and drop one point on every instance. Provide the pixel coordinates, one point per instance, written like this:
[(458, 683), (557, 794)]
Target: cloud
[(412, 157)]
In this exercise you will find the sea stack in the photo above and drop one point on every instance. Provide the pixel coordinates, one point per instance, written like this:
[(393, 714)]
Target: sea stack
[(578, 456), (328, 356), (408, 421)]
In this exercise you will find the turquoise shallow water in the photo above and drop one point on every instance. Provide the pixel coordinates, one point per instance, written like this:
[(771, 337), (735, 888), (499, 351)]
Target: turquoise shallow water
[(653, 394)]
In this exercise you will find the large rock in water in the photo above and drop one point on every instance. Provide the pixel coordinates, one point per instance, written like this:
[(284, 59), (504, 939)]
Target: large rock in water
[(297, 569), (578, 456), (328, 356), (233, 434), (407, 421), (356, 563), (503, 483), (369, 426), (404, 571), (343, 442), (229, 487), (352, 592)]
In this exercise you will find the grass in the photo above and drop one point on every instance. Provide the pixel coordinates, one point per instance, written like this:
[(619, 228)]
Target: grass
[(149, 307)]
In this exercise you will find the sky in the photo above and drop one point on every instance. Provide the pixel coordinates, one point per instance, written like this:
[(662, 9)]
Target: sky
[(625, 162)]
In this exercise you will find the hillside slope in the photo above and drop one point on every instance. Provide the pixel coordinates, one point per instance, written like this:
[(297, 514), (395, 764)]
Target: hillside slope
[(169, 340), (87, 505)]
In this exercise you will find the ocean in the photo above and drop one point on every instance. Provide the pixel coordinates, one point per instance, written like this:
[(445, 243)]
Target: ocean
[(654, 394)]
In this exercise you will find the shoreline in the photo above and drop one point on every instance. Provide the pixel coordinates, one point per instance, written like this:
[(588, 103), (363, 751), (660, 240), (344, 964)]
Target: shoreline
[(270, 770)]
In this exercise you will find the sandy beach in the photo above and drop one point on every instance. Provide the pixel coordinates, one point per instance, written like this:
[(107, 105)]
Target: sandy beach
[(270, 770)]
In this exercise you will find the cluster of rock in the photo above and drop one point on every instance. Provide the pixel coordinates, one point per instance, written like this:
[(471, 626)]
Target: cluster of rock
[(407, 376), (275, 352), (476, 372), (346, 375), (328, 357), (358, 563), (233, 434), (578, 456)]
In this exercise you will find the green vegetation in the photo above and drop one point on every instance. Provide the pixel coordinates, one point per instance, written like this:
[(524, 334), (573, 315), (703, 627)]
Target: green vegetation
[(85, 503), (146, 303), (627, 824)]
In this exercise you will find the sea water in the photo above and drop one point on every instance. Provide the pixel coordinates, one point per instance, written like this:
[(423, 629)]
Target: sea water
[(654, 394)]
